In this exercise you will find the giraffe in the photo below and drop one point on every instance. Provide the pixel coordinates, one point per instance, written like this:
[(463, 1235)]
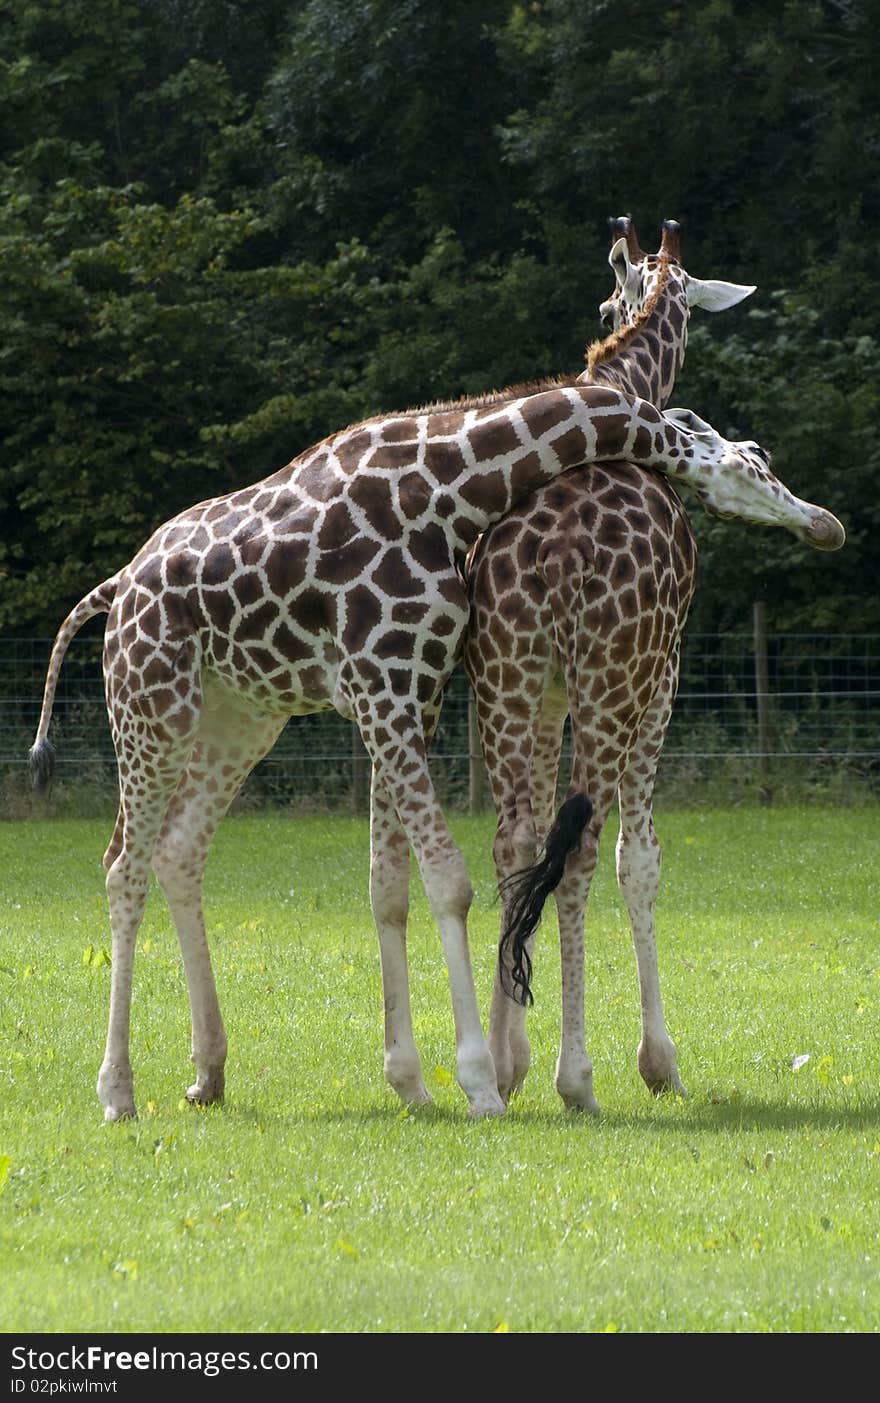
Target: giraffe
[(578, 601), (335, 583)]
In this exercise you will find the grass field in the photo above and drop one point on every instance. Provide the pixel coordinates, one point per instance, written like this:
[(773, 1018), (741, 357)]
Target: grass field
[(309, 1202)]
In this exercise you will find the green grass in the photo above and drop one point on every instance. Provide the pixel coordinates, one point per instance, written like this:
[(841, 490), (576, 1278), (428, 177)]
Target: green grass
[(308, 1202)]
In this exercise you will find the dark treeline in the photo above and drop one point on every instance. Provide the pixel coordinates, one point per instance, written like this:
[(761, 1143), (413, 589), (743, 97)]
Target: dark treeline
[(229, 227)]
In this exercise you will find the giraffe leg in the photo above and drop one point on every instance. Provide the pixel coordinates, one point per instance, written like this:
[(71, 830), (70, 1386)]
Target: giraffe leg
[(574, 1067), (229, 743), (398, 752), (566, 564), (149, 768), (638, 874), (515, 847), (389, 899), (524, 795), (599, 745)]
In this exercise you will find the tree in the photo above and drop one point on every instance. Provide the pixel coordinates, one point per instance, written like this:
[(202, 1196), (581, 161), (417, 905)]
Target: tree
[(228, 229)]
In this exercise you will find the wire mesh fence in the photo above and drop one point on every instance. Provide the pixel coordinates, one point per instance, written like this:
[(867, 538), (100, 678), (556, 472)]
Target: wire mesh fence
[(756, 715)]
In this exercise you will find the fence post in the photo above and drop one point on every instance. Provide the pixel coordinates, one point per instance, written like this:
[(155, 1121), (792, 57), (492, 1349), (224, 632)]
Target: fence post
[(762, 698), (360, 773), (476, 766)]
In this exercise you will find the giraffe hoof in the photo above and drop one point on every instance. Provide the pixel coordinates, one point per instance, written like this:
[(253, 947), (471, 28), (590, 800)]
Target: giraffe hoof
[(669, 1086), (574, 1083), (115, 1113), (413, 1099), (485, 1104), (116, 1092), (411, 1090), (658, 1068), (584, 1107), (205, 1093)]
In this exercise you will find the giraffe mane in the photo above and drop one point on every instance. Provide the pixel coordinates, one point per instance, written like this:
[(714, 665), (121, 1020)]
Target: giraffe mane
[(600, 351), (480, 401), (503, 396)]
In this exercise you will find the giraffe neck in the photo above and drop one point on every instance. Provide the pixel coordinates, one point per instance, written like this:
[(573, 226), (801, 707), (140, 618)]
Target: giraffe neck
[(448, 475), (644, 359)]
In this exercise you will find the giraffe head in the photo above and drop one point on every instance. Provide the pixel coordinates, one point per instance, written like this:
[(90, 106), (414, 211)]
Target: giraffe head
[(638, 276), (742, 486)]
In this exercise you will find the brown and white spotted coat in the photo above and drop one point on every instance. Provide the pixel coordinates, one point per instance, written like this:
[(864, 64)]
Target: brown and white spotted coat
[(335, 582), (578, 600)]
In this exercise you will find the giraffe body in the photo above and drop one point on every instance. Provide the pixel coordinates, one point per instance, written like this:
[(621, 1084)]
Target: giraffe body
[(578, 601)]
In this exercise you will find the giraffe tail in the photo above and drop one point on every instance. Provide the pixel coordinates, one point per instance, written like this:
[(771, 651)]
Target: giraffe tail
[(41, 759), (527, 891)]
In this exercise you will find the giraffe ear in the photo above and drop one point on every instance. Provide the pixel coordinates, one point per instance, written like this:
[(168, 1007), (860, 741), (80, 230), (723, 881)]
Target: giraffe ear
[(619, 260), (624, 272), (714, 295), (688, 420)]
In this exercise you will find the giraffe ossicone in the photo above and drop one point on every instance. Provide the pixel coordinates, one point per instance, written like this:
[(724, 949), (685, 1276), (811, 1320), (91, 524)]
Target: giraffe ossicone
[(578, 602), (334, 582)]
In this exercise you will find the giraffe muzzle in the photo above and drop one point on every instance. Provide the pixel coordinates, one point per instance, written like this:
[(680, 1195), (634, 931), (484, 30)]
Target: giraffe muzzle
[(825, 532)]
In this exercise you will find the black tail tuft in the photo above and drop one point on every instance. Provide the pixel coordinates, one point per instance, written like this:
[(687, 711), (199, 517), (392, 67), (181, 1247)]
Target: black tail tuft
[(41, 761), (527, 891)]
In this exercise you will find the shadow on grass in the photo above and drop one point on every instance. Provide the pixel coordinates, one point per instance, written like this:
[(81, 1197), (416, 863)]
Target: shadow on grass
[(684, 1117), (754, 1115)]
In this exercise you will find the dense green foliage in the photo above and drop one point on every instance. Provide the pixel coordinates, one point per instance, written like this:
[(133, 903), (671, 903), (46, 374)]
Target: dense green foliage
[(229, 228)]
